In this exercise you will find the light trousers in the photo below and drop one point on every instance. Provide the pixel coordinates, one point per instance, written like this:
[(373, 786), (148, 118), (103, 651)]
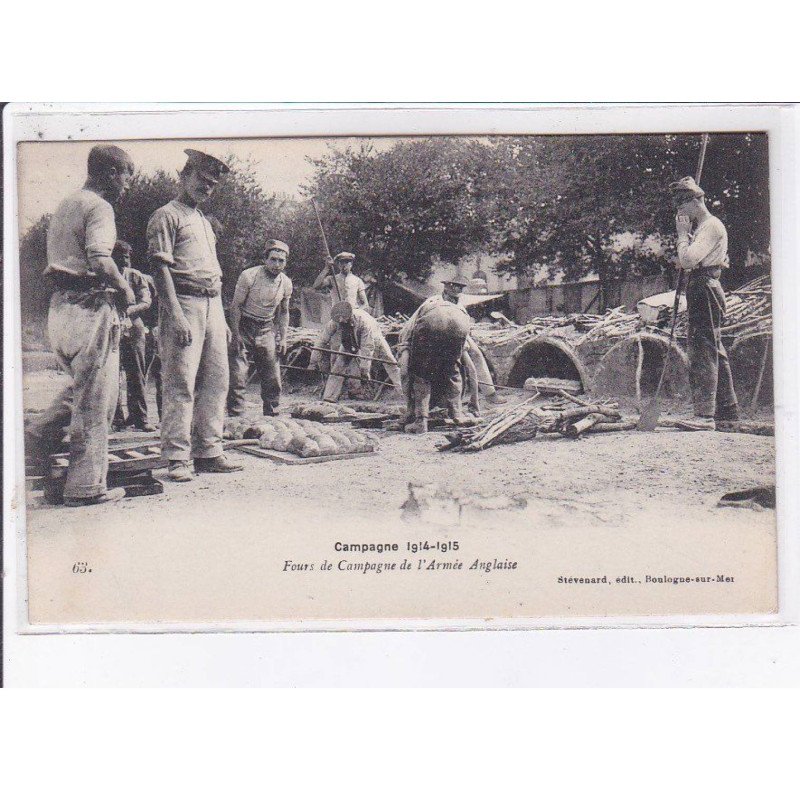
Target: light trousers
[(195, 380)]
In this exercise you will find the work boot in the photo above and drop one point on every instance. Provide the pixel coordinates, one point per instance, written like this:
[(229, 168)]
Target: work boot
[(140, 425), (420, 426), (495, 399), (109, 496), (696, 423), (270, 410), (218, 464), (179, 471)]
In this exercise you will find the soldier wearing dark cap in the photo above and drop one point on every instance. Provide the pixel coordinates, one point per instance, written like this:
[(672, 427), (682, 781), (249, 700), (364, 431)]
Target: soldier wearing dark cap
[(259, 315), (703, 254), (193, 334), (83, 327)]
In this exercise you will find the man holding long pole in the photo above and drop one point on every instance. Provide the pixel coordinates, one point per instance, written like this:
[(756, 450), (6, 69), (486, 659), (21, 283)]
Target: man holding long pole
[(703, 254)]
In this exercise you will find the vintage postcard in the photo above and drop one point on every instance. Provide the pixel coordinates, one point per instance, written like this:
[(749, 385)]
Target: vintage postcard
[(399, 368)]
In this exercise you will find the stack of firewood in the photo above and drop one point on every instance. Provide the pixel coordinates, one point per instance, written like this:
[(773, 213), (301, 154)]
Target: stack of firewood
[(615, 322), (748, 310), (392, 324), (569, 417)]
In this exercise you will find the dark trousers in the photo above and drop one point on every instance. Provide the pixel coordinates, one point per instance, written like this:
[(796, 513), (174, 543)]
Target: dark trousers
[(257, 344), (153, 359), (709, 369), (132, 359)]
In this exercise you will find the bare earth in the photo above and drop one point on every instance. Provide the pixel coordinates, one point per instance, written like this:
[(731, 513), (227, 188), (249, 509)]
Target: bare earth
[(646, 493)]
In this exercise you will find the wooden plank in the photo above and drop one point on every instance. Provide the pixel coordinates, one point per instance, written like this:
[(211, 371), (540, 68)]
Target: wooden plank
[(292, 459), (134, 454)]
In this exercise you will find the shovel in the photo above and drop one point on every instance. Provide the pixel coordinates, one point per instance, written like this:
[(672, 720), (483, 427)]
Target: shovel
[(649, 418)]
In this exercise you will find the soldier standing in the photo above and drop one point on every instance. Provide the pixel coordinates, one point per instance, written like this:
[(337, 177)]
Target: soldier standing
[(83, 326), (351, 288), (193, 335), (133, 343), (704, 254)]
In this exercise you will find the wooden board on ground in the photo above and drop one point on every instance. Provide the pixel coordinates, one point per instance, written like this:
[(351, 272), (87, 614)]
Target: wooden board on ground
[(121, 458), (545, 385), (371, 420), (292, 459), (331, 420)]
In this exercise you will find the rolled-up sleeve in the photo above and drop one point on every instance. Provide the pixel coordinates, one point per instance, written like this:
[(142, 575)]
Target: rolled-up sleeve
[(161, 231), (100, 232), (243, 286)]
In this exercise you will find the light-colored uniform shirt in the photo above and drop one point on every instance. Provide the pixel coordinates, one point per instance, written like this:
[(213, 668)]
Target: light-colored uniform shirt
[(350, 286), (82, 227), (708, 247), (258, 294), (367, 334), (141, 292), (437, 301), (183, 238)]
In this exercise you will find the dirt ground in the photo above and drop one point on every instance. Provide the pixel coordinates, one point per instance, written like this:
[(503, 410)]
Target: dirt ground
[(607, 499), (609, 472)]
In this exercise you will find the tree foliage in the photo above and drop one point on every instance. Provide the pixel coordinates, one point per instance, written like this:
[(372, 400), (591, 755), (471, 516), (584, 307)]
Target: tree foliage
[(578, 204), (568, 201), (401, 209)]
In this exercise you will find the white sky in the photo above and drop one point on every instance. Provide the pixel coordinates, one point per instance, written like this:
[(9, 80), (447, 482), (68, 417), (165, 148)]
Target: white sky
[(48, 171)]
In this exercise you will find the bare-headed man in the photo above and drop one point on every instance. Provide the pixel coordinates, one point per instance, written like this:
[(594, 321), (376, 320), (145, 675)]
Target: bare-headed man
[(83, 326)]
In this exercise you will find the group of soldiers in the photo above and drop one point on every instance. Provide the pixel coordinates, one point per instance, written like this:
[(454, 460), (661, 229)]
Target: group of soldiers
[(104, 313), (102, 310)]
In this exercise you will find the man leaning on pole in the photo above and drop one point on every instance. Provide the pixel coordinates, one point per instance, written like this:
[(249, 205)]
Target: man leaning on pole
[(193, 335), (703, 254), (84, 327)]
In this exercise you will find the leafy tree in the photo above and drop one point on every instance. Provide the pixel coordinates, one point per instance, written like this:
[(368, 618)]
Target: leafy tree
[(565, 201), (400, 209)]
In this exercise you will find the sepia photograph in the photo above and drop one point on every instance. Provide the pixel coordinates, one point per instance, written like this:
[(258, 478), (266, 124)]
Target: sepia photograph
[(449, 379)]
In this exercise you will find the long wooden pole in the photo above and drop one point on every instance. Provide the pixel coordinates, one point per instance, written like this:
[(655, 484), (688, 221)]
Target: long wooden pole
[(329, 261)]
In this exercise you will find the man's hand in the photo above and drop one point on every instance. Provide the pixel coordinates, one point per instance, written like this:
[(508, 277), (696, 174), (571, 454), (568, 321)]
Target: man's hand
[(228, 335), (183, 331), (683, 225), (280, 348), (366, 376), (313, 362), (127, 296), (126, 323)]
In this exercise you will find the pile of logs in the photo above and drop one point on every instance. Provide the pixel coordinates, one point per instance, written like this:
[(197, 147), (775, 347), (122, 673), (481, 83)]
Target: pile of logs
[(569, 417)]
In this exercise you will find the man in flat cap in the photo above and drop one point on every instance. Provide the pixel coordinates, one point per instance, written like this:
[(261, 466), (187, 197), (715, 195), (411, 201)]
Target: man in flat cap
[(259, 316), (83, 327), (347, 287), (193, 334), (356, 335), (703, 254)]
